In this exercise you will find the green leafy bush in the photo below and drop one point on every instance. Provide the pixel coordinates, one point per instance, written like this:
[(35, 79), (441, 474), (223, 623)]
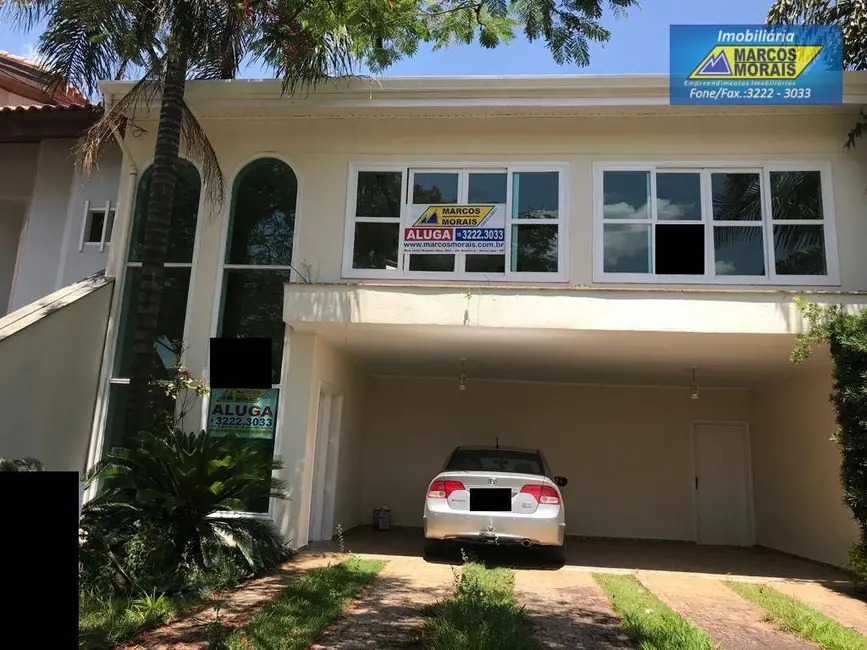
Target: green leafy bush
[(21, 465), (168, 515), (845, 333)]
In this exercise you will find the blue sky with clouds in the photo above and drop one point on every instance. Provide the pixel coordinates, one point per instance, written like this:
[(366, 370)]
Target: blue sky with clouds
[(639, 43)]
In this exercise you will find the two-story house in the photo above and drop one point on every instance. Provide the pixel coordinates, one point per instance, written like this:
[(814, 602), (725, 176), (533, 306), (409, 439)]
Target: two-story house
[(631, 313)]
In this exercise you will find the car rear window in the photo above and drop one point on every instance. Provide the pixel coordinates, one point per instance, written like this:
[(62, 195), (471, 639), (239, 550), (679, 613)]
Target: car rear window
[(495, 460)]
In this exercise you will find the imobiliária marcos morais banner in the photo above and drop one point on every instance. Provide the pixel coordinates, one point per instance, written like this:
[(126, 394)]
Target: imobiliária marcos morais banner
[(756, 64), (471, 229), (244, 412)]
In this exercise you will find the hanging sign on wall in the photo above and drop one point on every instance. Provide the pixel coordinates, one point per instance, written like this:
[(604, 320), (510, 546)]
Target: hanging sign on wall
[(244, 412), (471, 229)]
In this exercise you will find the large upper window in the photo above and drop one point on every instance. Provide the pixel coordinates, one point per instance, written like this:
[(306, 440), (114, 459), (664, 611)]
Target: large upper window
[(176, 285), (740, 225), (395, 213)]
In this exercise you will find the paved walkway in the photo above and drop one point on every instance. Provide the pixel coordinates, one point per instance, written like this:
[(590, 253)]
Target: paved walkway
[(842, 607), (235, 608), (567, 609), (387, 616), (729, 620)]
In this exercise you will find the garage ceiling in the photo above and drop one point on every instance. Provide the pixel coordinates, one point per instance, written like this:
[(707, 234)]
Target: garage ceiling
[(580, 356)]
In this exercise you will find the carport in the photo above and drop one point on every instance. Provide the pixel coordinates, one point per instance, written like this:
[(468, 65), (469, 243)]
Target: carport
[(740, 457)]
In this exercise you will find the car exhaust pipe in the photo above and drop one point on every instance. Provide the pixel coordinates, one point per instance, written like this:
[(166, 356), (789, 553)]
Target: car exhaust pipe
[(526, 543)]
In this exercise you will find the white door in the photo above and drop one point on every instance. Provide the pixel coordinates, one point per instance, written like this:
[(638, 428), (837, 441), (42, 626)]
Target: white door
[(722, 484), (319, 465)]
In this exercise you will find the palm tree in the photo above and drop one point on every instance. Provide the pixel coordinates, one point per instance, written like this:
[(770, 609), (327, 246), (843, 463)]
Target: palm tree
[(168, 42)]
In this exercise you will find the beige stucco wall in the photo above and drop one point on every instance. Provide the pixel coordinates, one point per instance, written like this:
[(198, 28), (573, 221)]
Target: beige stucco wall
[(310, 364), (798, 499), (320, 151), (50, 356), (625, 450)]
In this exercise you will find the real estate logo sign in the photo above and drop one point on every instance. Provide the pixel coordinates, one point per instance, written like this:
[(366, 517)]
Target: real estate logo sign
[(244, 412), (469, 229), (756, 64)]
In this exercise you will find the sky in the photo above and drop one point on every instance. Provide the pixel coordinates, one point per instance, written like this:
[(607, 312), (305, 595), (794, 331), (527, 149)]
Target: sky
[(639, 43)]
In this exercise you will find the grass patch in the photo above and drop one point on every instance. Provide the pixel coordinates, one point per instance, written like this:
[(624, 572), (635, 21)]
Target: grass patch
[(479, 615), (299, 612), (105, 621), (794, 616), (647, 620)]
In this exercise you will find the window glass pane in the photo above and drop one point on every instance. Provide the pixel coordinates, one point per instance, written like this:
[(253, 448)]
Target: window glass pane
[(435, 187), (486, 188), (110, 227), (736, 197), (253, 307), (535, 195), (170, 327), (486, 264), (432, 263), (738, 250), (800, 250), (375, 245), (678, 196), (535, 248), (626, 248), (182, 231), (378, 195), (162, 409), (796, 195), (679, 249), (262, 225), (626, 195), (94, 230)]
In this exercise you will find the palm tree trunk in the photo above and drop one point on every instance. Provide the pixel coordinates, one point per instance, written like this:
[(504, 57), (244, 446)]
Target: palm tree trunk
[(156, 239)]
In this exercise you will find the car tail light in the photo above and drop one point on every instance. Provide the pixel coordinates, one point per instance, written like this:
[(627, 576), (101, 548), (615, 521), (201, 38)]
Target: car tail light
[(442, 489), (543, 494)]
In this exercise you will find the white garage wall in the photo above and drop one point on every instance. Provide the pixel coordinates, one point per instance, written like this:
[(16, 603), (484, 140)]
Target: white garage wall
[(798, 498), (625, 450), (11, 221)]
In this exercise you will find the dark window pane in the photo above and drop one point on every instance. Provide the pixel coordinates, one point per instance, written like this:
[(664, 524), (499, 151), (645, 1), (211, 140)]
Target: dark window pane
[(535, 195), (626, 195), (535, 248), (679, 249), (110, 227), (162, 410), (182, 231), (432, 187), (378, 195), (375, 245), (800, 250), (265, 447), (796, 195), (486, 188), (738, 250), (626, 248), (262, 225), (736, 197), (486, 264), (432, 263), (678, 196), (170, 327), (253, 307), (94, 230)]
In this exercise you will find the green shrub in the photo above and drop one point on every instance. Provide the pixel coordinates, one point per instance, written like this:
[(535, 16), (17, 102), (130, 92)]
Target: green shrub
[(21, 465), (846, 335), (169, 514)]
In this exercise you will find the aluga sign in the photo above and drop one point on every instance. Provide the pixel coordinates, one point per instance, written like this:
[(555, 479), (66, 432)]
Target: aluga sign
[(455, 229)]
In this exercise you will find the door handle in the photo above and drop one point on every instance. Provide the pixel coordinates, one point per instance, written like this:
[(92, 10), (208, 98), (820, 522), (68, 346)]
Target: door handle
[(696, 482)]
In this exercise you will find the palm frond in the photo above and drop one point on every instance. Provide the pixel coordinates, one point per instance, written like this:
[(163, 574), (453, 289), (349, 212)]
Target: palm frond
[(198, 148)]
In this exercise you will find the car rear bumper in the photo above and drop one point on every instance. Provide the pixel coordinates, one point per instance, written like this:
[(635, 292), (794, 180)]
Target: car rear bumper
[(503, 528)]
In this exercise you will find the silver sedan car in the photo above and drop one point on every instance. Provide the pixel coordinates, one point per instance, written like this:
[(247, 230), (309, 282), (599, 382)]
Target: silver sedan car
[(495, 495)]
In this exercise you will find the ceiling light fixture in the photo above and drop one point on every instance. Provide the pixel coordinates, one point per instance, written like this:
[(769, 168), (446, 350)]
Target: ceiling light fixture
[(462, 377), (693, 389)]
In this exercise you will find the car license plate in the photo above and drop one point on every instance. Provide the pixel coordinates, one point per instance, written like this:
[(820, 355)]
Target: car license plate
[(491, 499)]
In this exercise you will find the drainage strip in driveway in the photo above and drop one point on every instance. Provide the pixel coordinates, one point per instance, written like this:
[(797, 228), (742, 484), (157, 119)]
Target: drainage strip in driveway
[(567, 609), (729, 620), (387, 615)]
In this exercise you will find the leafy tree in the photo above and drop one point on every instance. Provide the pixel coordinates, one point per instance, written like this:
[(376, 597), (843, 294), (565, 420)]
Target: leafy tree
[(850, 15), (303, 41)]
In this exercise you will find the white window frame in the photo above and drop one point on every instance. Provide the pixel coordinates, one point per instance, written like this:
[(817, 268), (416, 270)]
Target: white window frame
[(405, 168), (108, 220), (706, 168)]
